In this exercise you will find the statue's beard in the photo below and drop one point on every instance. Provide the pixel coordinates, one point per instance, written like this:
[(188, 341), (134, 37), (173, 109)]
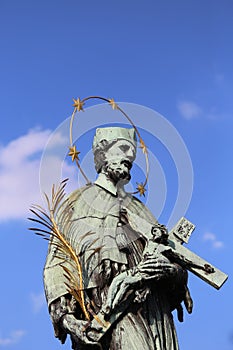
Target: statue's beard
[(118, 171)]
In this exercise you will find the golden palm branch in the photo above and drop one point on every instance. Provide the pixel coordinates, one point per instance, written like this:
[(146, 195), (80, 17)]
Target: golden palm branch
[(50, 231)]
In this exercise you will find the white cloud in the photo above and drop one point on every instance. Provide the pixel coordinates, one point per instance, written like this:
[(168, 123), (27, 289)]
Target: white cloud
[(218, 244), (208, 236), (23, 147), (189, 110), (13, 338), (38, 301), (20, 168), (211, 237)]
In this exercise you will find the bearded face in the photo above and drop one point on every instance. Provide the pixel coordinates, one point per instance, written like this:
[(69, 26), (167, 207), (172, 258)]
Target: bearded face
[(118, 170), (118, 161)]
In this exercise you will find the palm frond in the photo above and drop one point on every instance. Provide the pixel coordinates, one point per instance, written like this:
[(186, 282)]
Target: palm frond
[(38, 208), (64, 249), (42, 222)]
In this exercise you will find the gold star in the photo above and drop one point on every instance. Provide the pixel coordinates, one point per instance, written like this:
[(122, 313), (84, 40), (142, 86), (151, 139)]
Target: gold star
[(141, 189), (113, 103), (143, 146), (73, 153), (78, 104)]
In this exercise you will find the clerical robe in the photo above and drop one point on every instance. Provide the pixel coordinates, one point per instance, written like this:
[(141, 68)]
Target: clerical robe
[(93, 220)]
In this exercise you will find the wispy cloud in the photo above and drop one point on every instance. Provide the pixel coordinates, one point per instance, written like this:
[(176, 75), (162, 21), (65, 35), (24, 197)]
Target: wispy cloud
[(13, 338), (211, 238), (38, 301), (19, 172), (189, 110)]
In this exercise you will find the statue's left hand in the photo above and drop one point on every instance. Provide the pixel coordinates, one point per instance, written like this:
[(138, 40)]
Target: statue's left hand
[(152, 268), (78, 329)]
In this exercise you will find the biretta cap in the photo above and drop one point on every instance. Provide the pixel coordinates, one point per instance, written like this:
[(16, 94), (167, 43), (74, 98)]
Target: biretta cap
[(114, 133)]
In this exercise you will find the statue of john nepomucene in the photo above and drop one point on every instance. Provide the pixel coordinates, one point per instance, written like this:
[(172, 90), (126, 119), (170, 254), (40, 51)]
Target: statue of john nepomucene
[(113, 217)]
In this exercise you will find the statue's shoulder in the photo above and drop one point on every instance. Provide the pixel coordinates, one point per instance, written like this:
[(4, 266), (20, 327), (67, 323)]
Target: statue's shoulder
[(85, 193), (137, 203), (72, 198), (140, 209)]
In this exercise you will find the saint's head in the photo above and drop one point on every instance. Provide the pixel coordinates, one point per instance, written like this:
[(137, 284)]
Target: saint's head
[(114, 151)]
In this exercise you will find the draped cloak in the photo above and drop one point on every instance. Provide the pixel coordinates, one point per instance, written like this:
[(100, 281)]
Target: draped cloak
[(147, 325)]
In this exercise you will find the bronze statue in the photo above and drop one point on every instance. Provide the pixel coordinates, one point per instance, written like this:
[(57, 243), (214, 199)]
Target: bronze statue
[(107, 212), (113, 274)]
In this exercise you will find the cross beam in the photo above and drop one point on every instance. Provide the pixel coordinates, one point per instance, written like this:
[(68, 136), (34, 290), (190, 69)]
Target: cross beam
[(173, 248), (170, 246), (207, 272)]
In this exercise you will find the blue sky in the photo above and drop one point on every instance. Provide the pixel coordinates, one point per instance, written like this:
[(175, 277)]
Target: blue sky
[(172, 56)]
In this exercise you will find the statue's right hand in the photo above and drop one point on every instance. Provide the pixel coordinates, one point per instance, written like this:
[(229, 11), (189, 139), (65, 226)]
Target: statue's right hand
[(156, 268), (77, 329)]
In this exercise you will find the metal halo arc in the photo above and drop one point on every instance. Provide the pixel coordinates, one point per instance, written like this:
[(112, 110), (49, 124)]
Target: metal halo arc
[(78, 106)]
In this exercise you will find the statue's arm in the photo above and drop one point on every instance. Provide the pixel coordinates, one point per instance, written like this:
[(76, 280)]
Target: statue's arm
[(58, 310), (59, 301), (65, 312), (176, 277), (156, 270)]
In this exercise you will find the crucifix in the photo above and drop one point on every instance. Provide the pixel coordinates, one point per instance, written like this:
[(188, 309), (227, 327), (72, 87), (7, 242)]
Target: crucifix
[(161, 242)]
